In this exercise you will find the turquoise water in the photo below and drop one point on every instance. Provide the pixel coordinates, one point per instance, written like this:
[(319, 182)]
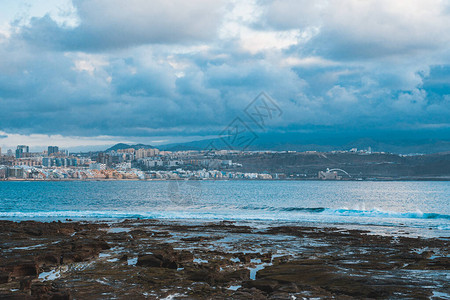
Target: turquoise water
[(412, 205)]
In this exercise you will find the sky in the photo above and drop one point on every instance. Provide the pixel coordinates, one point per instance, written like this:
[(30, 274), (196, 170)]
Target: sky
[(89, 73)]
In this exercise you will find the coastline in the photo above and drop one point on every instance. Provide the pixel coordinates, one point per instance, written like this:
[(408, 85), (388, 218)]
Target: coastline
[(446, 178), (150, 259)]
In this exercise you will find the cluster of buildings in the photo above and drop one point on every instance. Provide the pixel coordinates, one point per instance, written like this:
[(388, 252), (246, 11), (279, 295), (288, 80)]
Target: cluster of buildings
[(206, 174), (140, 163), (130, 163)]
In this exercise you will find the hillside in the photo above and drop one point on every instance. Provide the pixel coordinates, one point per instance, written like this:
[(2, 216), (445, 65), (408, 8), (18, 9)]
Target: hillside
[(122, 146)]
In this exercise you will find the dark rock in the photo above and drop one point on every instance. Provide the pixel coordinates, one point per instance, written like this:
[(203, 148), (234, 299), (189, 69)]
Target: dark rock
[(287, 287), (165, 258), (194, 239), (266, 257), (80, 256), (158, 260), (83, 249), (5, 277), (21, 269), (149, 260), (137, 233), (267, 286), (238, 275), (185, 256), (66, 230), (15, 296), (201, 289), (89, 245), (38, 290), (49, 260), (335, 265), (317, 273), (25, 284), (244, 258), (46, 291), (281, 259), (33, 231), (280, 296), (252, 293), (124, 257), (206, 274), (61, 296)]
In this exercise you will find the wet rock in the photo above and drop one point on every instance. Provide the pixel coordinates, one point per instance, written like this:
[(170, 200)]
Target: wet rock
[(49, 260), (200, 289), (194, 239), (150, 260), (185, 256), (427, 254), (238, 275), (5, 277), (89, 245), (252, 293), (266, 257), (206, 274), (38, 290), (33, 231), (159, 260), (280, 296), (439, 263), (21, 269), (139, 233), (336, 264), (25, 284), (244, 258), (162, 234), (46, 291), (267, 286), (289, 287), (318, 273), (66, 230), (15, 296), (165, 257), (83, 250), (281, 259), (123, 257), (61, 296)]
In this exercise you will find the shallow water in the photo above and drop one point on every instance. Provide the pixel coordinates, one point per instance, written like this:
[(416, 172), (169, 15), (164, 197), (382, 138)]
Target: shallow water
[(421, 208)]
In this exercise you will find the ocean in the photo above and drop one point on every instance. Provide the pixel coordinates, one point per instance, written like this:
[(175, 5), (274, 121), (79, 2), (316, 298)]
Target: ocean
[(410, 208)]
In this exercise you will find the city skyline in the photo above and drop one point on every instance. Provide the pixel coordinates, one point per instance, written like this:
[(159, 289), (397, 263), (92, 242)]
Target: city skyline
[(143, 162)]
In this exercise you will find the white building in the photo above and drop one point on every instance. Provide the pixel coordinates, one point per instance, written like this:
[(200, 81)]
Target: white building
[(97, 166)]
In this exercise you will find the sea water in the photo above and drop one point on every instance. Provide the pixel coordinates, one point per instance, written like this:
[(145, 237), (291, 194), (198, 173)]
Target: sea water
[(420, 208)]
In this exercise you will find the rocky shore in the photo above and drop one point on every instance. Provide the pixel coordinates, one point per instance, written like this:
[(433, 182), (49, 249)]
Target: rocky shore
[(150, 259)]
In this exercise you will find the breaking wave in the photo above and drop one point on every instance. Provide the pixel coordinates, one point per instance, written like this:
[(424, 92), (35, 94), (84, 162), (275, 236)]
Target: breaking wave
[(238, 213)]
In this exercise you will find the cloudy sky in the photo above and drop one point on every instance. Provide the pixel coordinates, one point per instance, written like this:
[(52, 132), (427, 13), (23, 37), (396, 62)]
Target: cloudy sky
[(96, 72)]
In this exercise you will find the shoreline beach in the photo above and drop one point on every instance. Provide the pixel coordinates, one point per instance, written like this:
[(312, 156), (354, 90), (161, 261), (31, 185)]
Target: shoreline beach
[(155, 259), (443, 178)]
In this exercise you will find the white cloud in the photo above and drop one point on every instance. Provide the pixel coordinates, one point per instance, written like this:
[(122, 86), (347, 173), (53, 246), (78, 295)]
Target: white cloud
[(40, 141), (310, 61), (257, 41), (369, 28), (88, 62), (412, 102), (341, 95)]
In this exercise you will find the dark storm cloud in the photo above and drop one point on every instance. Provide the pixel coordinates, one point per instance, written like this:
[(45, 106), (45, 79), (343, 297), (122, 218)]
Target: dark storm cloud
[(160, 68)]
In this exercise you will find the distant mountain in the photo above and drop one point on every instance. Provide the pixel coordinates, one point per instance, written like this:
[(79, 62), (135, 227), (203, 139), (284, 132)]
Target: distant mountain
[(122, 146), (395, 143), (195, 145)]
